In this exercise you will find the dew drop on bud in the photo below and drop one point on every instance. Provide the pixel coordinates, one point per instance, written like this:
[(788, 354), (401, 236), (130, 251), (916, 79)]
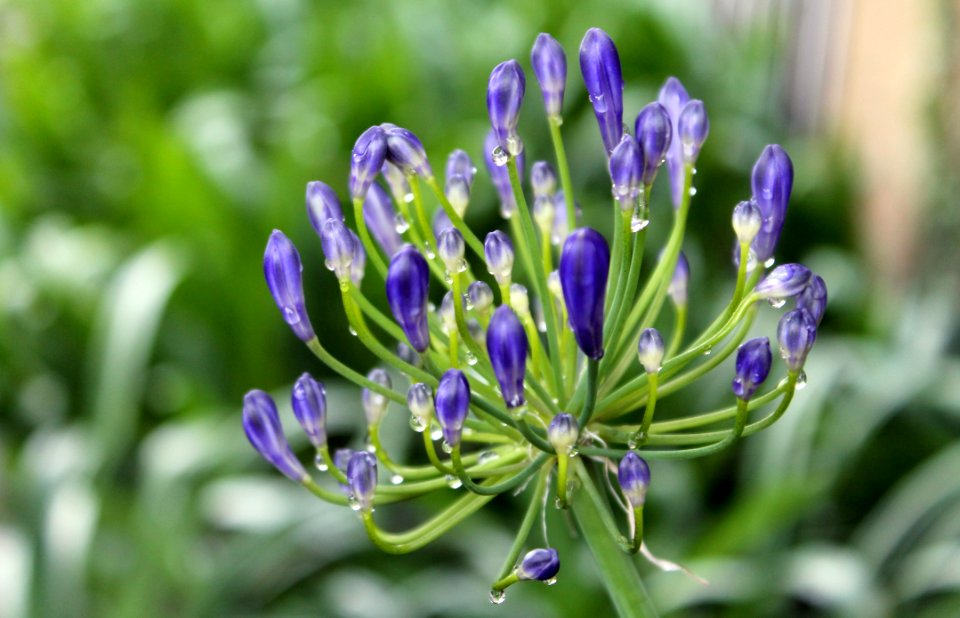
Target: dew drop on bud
[(637, 223), (396, 479), (550, 581), (320, 463), (400, 224), (453, 482), (354, 503), (776, 303), (497, 597), (416, 423), (801, 381), (446, 447), (471, 358), (500, 156)]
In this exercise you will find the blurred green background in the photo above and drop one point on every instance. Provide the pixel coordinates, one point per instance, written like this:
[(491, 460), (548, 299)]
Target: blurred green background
[(148, 148)]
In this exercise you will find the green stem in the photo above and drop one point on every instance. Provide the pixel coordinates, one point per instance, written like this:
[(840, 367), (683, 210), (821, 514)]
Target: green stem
[(564, 169), (372, 250), (498, 488), (348, 373), (591, 397), (526, 524)]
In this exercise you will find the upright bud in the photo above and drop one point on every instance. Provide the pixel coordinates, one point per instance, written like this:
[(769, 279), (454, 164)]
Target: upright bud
[(452, 404), (673, 97), (783, 281), (796, 334), (339, 247), (554, 286), (550, 66), (362, 478), (406, 152), (322, 204), (261, 423), (679, 282), (309, 401), (369, 152), (634, 477), (441, 222), (653, 131), (480, 297), (498, 253), (374, 403), (504, 97), (448, 313), (359, 264), (408, 284), (650, 350), (693, 127), (563, 433), (283, 271), (420, 401), (381, 218), (584, 263), (496, 166), (460, 164), (543, 178), (772, 182), (507, 347), (746, 221), (519, 299), (458, 193), (813, 298), (451, 247), (752, 367), (544, 214), (561, 227), (626, 172), (600, 65), (540, 565)]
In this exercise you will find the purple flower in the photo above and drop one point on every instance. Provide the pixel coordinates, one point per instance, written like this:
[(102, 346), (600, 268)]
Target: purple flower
[(262, 426), (673, 96), (550, 66), (406, 152), (679, 282), (374, 403), (563, 432), (650, 350), (458, 193), (504, 97), (408, 284), (339, 247), (396, 180), (498, 253), (460, 164), (359, 264), (362, 479), (480, 296), (584, 263), (600, 65), (381, 218), (452, 404), (772, 182), (441, 222), (813, 298), (341, 459), (309, 401), (783, 281), (420, 401), (543, 179), (368, 155), (692, 127), (561, 227), (746, 222), (451, 247), (507, 347), (322, 204), (539, 565), (752, 367), (653, 130), (500, 176), (634, 477), (626, 172), (283, 272), (796, 334)]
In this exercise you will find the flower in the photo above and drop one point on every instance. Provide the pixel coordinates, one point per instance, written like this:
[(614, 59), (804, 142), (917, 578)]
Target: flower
[(692, 128), (653, 131), (261, 423), (498, 252), (507, 347), (650, 350), (408, 283), (539, 565), (584, 263), (746, 221), (362, 479), (626, 172), (673, 97), (405, 150), (813, 298), (633, 474), (322, 204), (563, 432), (374, 403), (504, 97), (283, 271), (752, 367), (381, 219), (340, 247), (600, 66), (796, 333), (368, 155), (309, 401), (452, 404), (550, 66), (783, 281), (772, 182)]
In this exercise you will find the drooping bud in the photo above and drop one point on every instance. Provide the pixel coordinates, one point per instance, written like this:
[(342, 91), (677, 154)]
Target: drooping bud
[(600, 65), (451, 247), (796, 334), (543, 179), (369, 152), (540, 565), (420, 401), (752, 367), (339, 247), (550, 66), (408, 284), (309, 401), (498, 253), (458, 193), (693, 126), (507, 347), (480, 297), (406, 152), (496, 166), (322, 204), (261, 423), (584, 263), (362, 478), (746, 221), (381, 219), (626, 172), (563, 432), (519, 299), (653, 131), (650, 350), (460, 164), (813, 298), (452, 404), (374, 403), (397, 181), (772, 182), (680, 281), (783, 281), (633, 475), (283, 272), (359, 264), (673, 97), (504, 97)]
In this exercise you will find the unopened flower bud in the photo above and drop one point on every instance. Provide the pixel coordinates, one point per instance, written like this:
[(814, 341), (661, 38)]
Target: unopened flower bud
[(408, 285), (813, 298), (693, 127), (409, 355), (498, 253), (679, 282), (796, 334), (322, 204), (341, 459), (653, 131), (626, 172), (406, 152), (550, 66), (441, 222), (752, 367), (309, 401), (458, 193), (539, 565), (420, 401), (451, 247), (507, 347), (359, 264), (460, 164), (772, 183), (397, 181), (261, 423), (500, 176), (283, 271), (504, 97), (543, 179), (584, 263), (381, 219), (544, 213), (650, 350), (633, 475), (553, 285), (673, 97), (369, 152), (600, 66), (452, 404), (746, 221), (563, 432), (339, 248), (362, 479), (374, 403), (448, 313), (480, 297), (520, 299), (784, 281)]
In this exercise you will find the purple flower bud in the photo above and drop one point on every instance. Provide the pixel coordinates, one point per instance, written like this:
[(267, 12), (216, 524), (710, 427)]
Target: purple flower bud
[(783, 281), (550, 66), (448, 313), (600, 65), (519, 299), (262, 426), (507, 347), (309, 401), (339, 247), (543, 179), (563, 432), (634, 477), (408, 284), (283, 272), (673, 96), (746, 221), (381, 219), (626, 172), (458, 193), (500, 176), (584, 263), (544, 213), (397, 180), (406, 152), (362, 478), (678, 284), (341, 459), (561, 227), (796, 333), (409, 355), (813, 298), (441, 222), (504, 97), (451, 247), (368, 155), (420, 401), (752, 367), (650, 350), (653, 131), (374, 403), (539, 565), (693, 127), (480, 296), (452, 404), (322, 204), (498, 252), (772, 182), (359, 264), (460, 164)]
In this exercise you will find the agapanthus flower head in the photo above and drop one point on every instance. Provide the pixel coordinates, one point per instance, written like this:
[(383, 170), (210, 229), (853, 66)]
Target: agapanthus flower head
[(783, 281), (408, 285), (772, 183), (550, 66), (746, 221), (563, 432), (420, 401), (653, 131), (499, 174), (458, 193), (283, 271), (633, 474), (339, 247), (452, 404), (650, 350), (262, 426), (459, 163), (539, 565), (543, 179), (600, 66), (626, 172), (309, 401), (374, 403), (796, 333), (673, 97), (507, 347), (381, 219), (692, 126), (451, 248), (362, 479), (480, 297), (322, 204), (584, 263), (813, 298), (680, 281), (752, 367), (504, 98), (498, 253), (405, 150), (369, 152)]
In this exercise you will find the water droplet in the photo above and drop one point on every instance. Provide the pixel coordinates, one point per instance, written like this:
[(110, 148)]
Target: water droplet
[(436, 433), (708, 352), (776, 303), (408, 198), (371, 447), (574, 452), (637, 223), (558, 504), (499, 156), (801, 381), (462, 266), (417, 424), (693, 191), (550, 581), (447, 278), (770, 262), (487, 457), (396, 479), (497, 597), (694, 171), (634, 442), (467, 305), (352, 330), (400, 224), (446, 448), (320, 463), (453, 482), (354, 503), (471, 358), (431, 307)]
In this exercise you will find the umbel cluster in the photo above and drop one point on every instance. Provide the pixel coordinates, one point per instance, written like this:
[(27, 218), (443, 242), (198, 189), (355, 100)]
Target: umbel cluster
[(548, 388)]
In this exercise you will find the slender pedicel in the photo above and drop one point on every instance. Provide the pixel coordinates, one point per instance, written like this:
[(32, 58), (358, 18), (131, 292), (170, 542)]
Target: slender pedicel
[(600, 66), (368, 155), (584, 263), (408, 285), (262, 426), (283, 272), (309, 401), (550, 66), (752, 367)]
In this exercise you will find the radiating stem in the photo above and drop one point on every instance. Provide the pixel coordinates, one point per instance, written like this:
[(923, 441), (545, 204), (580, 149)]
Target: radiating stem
[(564, 169), (373, 252)]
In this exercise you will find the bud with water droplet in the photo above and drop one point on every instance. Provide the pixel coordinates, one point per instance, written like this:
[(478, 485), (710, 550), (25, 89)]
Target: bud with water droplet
[(369, 152), (480, 297), (262, 425), (783, 281), (772, 183), (539, 565), (796, 333), (451, 247), (441, 222), (500, 176), (283, 271), (633, 475), (504, 97), (584, 263), (452, 404), (498, 253), (460, 164), (550, 66), (322, 204), (362, 479), (309, 401), (420, 401), (751, 367), (381, 218), (746, 221), (813, 298), (563, 432), (692, 127), (600, 66), (405, 150), (650, 350), (626, 172), (408, 285), (448, 313), (673, 97), (507, 347), (653, 131), (374, 403), (339, 247)]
